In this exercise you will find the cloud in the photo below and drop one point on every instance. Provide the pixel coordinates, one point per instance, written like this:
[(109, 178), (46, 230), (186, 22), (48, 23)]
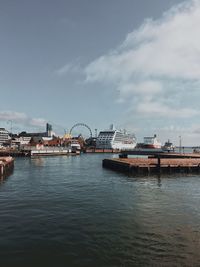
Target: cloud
[(38, 122), (145, 89), (161, 110), (12, 115), (189, 136), (72, 68), (21, 118), (154, 61)]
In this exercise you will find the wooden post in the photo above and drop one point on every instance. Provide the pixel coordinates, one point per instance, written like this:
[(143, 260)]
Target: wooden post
[(158, 165), (1, 170)]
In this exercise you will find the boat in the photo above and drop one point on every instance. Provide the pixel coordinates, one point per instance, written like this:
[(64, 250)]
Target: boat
[(168, 146), (196, 150), (49, 151), (151, 142), (115, 139), (41, 150), (75, 146)]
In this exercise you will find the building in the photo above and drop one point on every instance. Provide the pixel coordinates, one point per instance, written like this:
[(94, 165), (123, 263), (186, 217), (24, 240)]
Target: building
[(48, 133), (49, 130), (4, 136), (22, 139)]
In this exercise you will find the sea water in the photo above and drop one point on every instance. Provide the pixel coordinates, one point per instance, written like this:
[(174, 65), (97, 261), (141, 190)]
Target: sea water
[(69, 211)]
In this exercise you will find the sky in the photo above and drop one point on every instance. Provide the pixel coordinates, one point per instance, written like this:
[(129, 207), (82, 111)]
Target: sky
[(133, 63)]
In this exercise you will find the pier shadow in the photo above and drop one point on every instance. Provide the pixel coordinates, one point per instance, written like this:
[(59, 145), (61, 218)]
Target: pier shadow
[(4, 178), (38, 161), (158, 177)]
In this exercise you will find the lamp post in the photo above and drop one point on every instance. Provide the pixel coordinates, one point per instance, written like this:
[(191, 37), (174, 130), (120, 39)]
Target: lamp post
[(11, 123), (180, 144)]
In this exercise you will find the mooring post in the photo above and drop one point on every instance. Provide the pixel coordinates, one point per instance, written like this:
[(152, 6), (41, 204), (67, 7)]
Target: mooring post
[(158, 165), (1, 170), (123, 156)]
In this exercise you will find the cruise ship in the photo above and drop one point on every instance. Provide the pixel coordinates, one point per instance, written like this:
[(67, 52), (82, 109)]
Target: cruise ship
[(115, 139)]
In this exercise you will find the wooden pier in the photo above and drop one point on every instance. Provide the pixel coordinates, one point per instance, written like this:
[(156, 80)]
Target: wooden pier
[(146, 166), (13, 153), (6, 166)]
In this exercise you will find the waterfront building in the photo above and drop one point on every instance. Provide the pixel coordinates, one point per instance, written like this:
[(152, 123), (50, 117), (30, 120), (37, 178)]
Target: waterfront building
[(47, 133), (46, 141), (49, 130), (23, 139), (4, 136)]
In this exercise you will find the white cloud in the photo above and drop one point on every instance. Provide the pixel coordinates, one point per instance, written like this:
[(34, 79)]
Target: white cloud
[(161, 110), (159, 52), (12, 115), (72, 67), (189, 136), (38, 122), (146, 89), (21, 118)]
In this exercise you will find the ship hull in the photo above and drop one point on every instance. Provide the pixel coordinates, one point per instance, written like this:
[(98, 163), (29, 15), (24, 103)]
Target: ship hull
[(151, 146)]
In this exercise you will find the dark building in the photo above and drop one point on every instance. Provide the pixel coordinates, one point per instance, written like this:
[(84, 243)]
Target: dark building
[(48, 133)]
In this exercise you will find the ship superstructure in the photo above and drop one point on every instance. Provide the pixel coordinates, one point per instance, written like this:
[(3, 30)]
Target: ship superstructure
[(151, 142), (115, 139)]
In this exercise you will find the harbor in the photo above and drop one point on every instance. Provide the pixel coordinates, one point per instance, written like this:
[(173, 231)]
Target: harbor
[(100, 133)]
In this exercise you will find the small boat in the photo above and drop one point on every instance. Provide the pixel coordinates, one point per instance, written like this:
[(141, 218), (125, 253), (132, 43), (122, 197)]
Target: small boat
[(168, 146), (196, 150)]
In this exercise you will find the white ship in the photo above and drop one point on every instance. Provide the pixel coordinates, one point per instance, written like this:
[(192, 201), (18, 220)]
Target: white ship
[(151, 142), (115, 139)]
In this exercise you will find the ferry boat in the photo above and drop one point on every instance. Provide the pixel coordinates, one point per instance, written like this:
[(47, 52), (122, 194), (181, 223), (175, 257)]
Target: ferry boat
[(151, 142), (75, 146), (49, 151), (115, 139)]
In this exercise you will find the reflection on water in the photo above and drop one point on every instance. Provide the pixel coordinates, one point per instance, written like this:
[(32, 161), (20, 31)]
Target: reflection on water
[(69, 211), (5, 177), (38, 161)]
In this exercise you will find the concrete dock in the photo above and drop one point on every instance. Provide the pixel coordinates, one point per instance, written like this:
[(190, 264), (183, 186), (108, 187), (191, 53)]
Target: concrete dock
[(6, 166), (146, 166)]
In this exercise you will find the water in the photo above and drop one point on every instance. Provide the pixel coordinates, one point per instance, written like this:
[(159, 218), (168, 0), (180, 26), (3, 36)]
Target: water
[(69, 211)]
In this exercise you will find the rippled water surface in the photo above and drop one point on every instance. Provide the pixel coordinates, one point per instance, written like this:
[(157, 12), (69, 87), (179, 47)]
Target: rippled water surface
[(69, 211)]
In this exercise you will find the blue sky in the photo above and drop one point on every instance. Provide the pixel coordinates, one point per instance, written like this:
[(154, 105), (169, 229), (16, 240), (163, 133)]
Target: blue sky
[(134, 63)]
